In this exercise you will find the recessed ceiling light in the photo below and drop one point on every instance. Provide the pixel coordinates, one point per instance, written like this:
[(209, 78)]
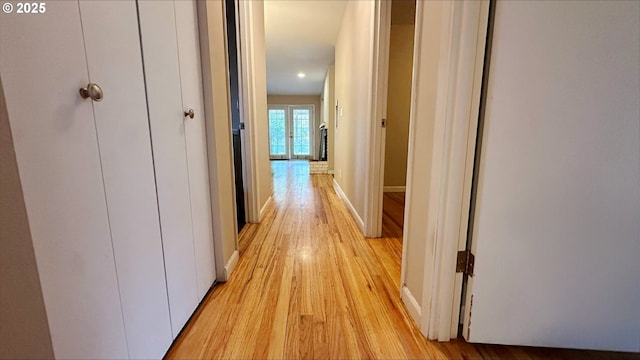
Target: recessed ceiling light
[(301, 75)]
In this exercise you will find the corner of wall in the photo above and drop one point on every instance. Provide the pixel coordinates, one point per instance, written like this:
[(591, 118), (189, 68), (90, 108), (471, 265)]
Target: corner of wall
[(411, 304), (230, 266), (348, 204), (25, 327), (264, 208)]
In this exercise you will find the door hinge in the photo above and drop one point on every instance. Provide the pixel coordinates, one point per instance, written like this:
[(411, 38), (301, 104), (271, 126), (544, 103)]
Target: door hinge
[(241, 126), (384, 123), (465, 262)]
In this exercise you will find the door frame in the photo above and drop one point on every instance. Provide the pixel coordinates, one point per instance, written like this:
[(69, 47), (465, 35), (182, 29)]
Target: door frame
[(243, 169), (459, 70), (457, 111), (215, 79), (374, 183), (245, 35)]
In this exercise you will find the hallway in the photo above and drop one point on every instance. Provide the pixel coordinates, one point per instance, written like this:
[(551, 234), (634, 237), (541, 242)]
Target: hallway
[(309, 285)]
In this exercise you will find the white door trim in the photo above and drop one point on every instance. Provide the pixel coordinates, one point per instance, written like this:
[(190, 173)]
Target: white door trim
[(460, 67), (247, 108), (378, 111), (211, 18), (417, 61), (463, 173), (459, 86)]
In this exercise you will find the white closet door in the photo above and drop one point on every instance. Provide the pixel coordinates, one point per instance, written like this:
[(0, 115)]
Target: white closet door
[(115, 63), (42, 64), (159, 44), (192, 98)]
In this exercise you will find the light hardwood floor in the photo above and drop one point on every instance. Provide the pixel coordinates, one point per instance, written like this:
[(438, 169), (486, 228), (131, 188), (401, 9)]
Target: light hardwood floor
[(309, 285)]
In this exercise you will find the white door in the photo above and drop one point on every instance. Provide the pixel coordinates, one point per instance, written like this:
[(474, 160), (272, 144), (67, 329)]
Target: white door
[(196, 141), (301, 120), (159, 45), (557, 219), (291, 131), (115, 63), (87, 175), (67, 214), (278, 132)]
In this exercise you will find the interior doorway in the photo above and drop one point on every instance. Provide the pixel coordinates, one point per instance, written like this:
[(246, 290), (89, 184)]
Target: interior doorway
[(291, 131), (237, 125), (396, 134)]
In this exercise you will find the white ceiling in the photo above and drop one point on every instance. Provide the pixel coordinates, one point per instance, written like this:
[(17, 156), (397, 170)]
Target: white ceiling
[(300, 37)]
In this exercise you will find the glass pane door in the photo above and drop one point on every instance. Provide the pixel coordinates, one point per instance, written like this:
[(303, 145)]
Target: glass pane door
[(278, 144), (301, 119), (291, 131)]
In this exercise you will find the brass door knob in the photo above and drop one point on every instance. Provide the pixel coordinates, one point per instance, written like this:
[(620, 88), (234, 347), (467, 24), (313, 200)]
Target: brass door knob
[(92, 91), (190, 114)]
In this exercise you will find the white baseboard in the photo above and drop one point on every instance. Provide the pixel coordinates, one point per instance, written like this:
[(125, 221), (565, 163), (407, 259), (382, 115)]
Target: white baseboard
[(411, 305), (394, 189), (231, 264), (264, 208), (346, 201), (330, 172)]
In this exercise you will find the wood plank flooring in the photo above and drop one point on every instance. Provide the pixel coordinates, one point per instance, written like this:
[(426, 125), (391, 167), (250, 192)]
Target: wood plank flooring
[(392, 215), (309, 285)]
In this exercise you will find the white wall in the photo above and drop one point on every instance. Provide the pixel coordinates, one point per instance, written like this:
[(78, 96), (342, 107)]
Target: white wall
[(353, 76), (329, 114)]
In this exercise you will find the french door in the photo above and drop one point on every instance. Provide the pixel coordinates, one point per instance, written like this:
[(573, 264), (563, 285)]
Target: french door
[(291, 131)]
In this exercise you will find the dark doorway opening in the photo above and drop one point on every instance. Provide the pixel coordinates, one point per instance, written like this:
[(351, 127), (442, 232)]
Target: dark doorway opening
[(236, 123)]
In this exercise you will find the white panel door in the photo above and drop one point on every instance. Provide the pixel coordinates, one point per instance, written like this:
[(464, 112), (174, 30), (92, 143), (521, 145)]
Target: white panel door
[(115, 63), (43, 64), (192, 99), (161, 66), (557, 219), (278, 132), (301, 120)]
